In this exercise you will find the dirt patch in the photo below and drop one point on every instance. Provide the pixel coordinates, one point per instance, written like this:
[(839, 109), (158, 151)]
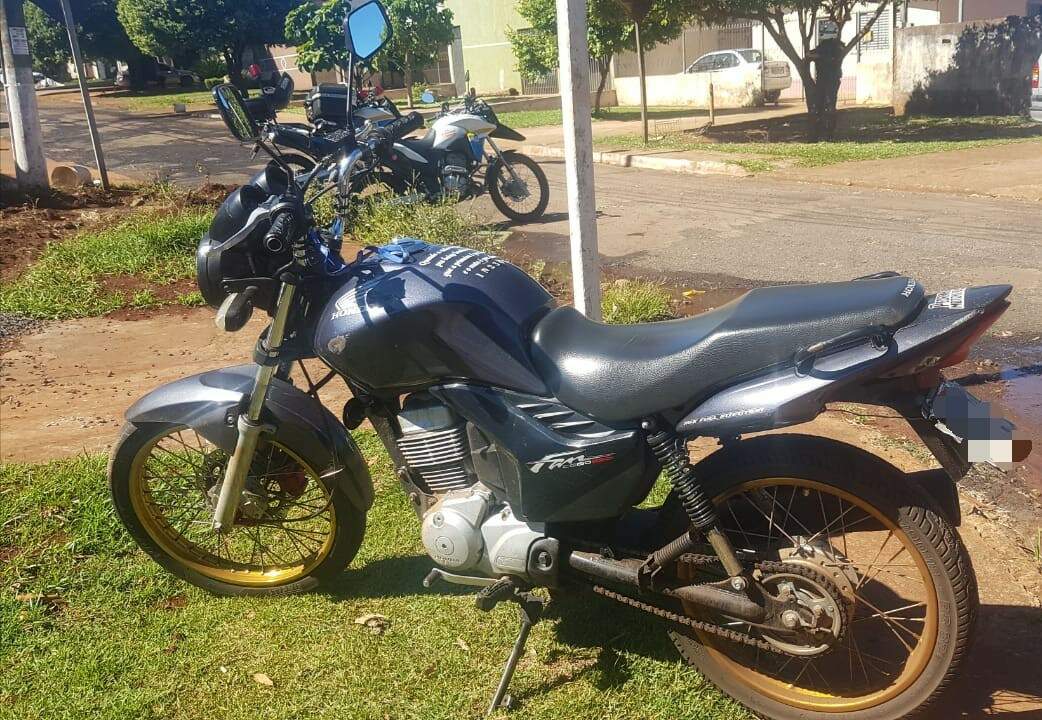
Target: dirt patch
[(26, 228)]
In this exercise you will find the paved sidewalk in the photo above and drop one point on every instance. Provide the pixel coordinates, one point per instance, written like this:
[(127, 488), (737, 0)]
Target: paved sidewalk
[(1007, 171), (551, 135)]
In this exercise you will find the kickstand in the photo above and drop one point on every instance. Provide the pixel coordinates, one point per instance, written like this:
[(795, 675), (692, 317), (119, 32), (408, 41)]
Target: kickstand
[(531, 610)]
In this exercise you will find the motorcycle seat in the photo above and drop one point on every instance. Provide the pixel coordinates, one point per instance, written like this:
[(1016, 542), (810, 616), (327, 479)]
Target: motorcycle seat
[(620, 373)]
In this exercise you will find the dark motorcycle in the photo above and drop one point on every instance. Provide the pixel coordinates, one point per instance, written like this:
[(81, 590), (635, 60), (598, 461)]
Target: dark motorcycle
[(803, 576)]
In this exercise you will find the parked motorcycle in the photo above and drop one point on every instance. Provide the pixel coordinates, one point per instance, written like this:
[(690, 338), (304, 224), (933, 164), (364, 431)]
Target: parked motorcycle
[(803, 576), (450, 161)]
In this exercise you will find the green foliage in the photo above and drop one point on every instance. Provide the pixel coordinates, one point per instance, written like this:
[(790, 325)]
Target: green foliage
[(420, 28), (608, 30), (211, 82), (68, 279), (209, 66), (48, 43), (204, 27), (377, 222), (626, 302), (92, 629)]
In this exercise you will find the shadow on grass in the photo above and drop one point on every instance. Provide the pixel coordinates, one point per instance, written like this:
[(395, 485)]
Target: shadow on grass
[(872, 125)]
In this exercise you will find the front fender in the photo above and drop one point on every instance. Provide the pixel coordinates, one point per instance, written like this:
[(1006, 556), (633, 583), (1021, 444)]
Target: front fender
[(209, 404)]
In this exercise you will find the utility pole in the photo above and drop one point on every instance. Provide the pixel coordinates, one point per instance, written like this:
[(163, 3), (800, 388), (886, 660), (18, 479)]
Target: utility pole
[(88, 108), (26, 141), (574, 63)]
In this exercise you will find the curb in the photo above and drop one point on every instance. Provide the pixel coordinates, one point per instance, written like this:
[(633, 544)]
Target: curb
[(647, 162)]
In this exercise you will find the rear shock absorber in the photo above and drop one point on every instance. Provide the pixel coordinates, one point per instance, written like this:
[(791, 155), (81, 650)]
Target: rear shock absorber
[(671, 452)]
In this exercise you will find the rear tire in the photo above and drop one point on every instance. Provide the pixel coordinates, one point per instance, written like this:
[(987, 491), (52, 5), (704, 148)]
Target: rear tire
[(822, 462), (772, 96), (495, 187)]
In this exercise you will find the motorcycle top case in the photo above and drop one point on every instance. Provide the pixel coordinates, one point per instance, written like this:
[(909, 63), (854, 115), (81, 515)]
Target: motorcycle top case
[(327, 101), (409, 320)]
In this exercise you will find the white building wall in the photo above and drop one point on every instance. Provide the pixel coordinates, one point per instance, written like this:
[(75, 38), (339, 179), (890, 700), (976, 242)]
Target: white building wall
[(867, 69)]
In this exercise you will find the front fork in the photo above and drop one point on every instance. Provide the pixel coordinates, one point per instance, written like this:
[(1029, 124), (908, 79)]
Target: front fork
[(249, 423)]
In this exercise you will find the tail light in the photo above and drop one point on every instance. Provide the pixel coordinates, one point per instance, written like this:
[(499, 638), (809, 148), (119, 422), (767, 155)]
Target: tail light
[(963, 350)]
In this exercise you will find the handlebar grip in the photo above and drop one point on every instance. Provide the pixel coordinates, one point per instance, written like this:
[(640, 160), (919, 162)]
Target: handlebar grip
[(404, 125), (279, 233)]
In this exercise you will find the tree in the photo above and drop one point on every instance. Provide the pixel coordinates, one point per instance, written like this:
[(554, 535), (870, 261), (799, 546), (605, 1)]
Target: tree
[(420, 29), (101, 35), (196, 27), (609, 30), (820, 86), (48, 43)]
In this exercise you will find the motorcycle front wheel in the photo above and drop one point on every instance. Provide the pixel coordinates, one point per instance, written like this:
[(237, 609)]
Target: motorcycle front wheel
[(291, 531), (858, 530), (524, 198)]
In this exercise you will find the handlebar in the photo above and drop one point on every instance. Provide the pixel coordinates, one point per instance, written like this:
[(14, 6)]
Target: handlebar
[(404, 125)]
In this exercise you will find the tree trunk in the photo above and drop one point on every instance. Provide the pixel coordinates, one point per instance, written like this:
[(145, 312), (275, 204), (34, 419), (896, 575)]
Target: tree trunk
[(603, 65), (408, 80), (233, 64), (823, 93), (643, 84)]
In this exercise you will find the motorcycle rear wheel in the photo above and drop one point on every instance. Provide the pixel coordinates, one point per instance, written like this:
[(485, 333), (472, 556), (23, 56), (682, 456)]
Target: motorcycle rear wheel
[(160, 478), (913, 604)]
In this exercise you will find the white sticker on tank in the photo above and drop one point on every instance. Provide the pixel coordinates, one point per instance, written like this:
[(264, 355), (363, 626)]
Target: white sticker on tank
[(347, 305), (949, 299), (469, 262)]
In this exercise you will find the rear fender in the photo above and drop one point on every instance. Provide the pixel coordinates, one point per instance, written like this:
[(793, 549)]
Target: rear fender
[(210, 403)]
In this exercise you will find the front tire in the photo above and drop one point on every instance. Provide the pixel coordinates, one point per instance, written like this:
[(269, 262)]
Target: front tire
[(934, 589), (508, 199), (160, 475)]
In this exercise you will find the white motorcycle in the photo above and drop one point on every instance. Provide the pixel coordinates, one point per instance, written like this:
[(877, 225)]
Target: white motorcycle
[(451, 161)]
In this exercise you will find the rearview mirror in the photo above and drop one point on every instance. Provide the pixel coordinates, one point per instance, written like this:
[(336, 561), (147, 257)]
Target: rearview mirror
[(368, 29), (234, 113)]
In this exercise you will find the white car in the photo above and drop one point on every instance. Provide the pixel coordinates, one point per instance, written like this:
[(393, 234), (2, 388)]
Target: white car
[(42, 81), (735, 65)]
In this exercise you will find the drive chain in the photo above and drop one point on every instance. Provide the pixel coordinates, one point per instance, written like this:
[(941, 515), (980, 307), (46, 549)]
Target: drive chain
[(766, 567)]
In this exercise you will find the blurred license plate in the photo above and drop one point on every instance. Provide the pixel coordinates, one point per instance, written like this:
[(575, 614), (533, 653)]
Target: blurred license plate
[(981, 434)]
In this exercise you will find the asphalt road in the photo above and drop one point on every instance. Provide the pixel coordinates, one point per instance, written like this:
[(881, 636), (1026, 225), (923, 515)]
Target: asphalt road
[(721, 231)]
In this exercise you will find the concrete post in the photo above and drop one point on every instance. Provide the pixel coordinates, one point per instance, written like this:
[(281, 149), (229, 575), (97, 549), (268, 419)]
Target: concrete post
[(26, 141), (88, 108), (643, 83), (574, 63)]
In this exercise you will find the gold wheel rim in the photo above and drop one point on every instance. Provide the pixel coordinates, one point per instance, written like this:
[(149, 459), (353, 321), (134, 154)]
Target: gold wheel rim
[(220, 563), (807, 698)]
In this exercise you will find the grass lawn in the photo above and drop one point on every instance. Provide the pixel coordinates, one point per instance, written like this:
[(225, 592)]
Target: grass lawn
[(536, 118), (91, 628), (74, 278), (873, 140), (154, 100), (144, 260)]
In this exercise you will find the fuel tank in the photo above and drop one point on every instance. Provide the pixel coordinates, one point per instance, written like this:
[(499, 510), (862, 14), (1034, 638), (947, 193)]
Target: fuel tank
[(407, 321)]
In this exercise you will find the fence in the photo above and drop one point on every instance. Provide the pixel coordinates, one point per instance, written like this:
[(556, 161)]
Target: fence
[(548, 84), (694, 42)]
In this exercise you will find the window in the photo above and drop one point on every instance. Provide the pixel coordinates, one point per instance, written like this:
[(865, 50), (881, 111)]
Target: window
[(704, 64), (878, 38), (727, 60), (751, 56)]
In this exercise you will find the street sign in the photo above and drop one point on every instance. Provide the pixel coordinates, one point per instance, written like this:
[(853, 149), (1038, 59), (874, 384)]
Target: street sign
[(827, 30)]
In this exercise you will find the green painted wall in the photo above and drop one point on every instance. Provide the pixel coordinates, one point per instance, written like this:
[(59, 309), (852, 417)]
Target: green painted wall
[(486, 49)]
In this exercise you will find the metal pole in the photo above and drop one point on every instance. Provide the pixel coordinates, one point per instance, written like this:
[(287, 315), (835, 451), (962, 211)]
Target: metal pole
[(643, 84), (961, 9), (88, 109), (24, 115), (573, 57)]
